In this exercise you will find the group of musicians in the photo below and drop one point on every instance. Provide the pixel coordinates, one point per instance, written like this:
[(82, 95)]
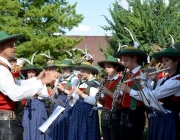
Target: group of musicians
[(122, 108)]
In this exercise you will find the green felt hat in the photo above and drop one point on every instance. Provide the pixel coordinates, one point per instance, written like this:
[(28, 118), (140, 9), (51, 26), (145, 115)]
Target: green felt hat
[(30, 67), (80, 60), (171, 52), (87, 65), (177, 46), (66, 63), (50, 63), (130, 50), (111, 59), (4, 36)]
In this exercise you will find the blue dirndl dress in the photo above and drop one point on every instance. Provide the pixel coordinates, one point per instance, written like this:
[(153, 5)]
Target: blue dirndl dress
[(59, 128), (82, 127), (34, 116), (163, 127)]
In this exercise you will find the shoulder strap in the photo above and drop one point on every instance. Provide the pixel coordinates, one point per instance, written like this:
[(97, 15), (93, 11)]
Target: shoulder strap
[(2, 63)]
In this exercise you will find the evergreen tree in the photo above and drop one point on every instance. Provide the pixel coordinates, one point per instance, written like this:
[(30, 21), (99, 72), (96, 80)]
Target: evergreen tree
[(150, 21), (40, 21)]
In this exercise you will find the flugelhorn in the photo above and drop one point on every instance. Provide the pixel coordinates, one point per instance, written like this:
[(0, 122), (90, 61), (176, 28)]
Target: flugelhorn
[(139, 77)]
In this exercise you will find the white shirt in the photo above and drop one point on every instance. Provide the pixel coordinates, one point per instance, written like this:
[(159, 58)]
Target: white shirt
[(133, 92), (90, 99), (74, 82), (21, 90), (170, 87)]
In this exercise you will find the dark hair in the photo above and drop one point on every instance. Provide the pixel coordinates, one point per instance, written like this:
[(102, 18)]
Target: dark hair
[(174, 59), (140, 61), (1, 44)]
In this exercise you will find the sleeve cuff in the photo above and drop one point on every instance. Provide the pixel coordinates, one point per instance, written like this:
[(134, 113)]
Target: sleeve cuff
[(133, 93)]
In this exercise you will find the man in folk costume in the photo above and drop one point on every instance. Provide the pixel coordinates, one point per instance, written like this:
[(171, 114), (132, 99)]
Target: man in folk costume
[(110, 126), (11, 93), (35, 112), (68, 80), (81, 126), (132, 112)]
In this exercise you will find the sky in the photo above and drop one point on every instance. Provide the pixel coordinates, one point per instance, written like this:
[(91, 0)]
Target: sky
[(92, 10)]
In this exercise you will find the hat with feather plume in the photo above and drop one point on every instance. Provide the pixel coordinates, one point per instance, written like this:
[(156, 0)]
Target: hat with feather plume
[(30, 66), (172, 51), (131, 49), (50, 61)]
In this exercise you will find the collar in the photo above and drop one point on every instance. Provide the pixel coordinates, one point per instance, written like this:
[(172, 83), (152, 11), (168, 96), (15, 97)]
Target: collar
[(4, 60), (136, 69), (114, 78)]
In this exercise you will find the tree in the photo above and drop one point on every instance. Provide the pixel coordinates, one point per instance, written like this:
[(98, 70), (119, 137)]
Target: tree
[(150, 21), (43, 24)]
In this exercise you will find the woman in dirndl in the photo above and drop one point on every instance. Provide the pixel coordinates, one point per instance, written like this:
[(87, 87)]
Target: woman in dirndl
[(166, 126), (59, 128), (34, 112), (81, 126)]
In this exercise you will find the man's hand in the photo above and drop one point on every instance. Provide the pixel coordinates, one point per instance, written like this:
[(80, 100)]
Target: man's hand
[(124, 88), (50, 77)]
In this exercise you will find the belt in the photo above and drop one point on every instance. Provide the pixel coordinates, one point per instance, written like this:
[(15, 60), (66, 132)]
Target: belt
[(105, 115), (7, 115)]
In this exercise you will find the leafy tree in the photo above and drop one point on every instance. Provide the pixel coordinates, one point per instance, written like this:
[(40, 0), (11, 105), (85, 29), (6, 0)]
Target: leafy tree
[(40, 21), (150, 21)]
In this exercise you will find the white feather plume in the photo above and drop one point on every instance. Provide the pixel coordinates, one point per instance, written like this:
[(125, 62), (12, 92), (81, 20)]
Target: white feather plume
[(70, 55), (119, 48), (136, 44), (32, 58), (86, 56), (129, 33), (85, 49), (47, 55), (25, 60), (172, 41), (79, 50)]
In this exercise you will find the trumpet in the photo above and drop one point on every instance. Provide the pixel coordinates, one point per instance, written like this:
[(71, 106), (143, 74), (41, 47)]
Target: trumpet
[(55, 89), (70, 95), (139, 77), (98, 95)]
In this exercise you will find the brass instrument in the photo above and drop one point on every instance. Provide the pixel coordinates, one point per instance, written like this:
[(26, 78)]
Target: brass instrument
[(139, 77), (98, 95), (153, 62), (116, 93), (70, 96), (15, 70)]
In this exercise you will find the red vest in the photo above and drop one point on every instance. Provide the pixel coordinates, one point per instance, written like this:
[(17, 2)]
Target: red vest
[(107, 102), (126, 99), (5, 102)]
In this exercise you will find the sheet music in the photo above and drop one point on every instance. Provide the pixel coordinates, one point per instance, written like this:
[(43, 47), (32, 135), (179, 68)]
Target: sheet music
[(50, 120)]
